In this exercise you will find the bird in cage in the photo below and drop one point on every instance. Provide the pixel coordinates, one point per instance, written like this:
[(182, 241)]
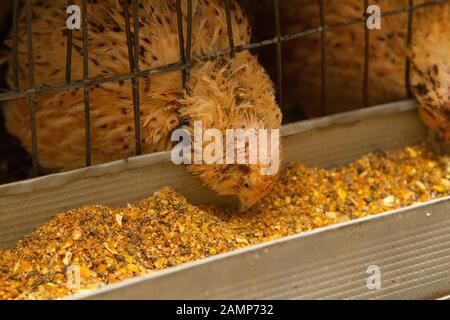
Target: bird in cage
[(344, 56), (231, 91)]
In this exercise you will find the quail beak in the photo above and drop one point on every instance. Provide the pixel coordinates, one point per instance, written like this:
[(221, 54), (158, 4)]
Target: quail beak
[(244, 205)]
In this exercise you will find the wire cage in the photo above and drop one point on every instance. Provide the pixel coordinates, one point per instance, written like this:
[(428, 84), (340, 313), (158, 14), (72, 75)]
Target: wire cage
[(184, 65)]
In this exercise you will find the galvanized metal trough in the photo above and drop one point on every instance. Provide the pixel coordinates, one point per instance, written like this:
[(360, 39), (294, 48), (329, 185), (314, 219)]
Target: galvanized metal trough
[(411, 246)]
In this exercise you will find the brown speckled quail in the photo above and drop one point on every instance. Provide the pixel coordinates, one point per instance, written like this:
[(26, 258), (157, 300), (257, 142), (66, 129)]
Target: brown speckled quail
[(224, 93)]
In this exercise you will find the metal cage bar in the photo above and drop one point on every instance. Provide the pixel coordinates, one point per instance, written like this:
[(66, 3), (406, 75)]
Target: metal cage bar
[(133, 57), (366, 56), (181, 41), (232, 48), (87, 115), (279, 52), (188, 38), (180, 66), (323, 58), (15, 49), (135, 81), (31, 85), (408, 43), (91, 82), (69, 50)]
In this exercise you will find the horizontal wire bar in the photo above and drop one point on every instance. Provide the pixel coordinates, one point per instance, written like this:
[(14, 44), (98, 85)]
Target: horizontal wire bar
[(91, 82), (128, 34)]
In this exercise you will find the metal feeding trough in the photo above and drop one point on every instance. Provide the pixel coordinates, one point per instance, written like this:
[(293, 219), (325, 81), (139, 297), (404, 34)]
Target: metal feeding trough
[(410, 246)]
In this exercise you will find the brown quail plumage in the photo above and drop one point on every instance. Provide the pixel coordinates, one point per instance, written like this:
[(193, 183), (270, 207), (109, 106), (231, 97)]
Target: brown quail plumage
[(224, 93)]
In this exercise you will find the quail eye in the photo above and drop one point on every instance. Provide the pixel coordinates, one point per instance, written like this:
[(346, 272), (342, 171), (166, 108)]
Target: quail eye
[(247, 185), (239, 99)]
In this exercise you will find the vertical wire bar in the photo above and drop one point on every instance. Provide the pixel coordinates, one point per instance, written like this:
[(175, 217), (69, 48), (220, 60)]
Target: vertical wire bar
[(323, 58), (135, 81), (408, 44), (229, 28), (31, 84), (69, 50), (15, 64), (87, 115), (133, 58), (188, 38), (128, 34), (279, 65), (181, 41), (366, 57)]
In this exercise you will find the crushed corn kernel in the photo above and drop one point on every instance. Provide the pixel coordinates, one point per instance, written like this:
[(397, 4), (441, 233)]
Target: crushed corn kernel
[(107, 245)]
